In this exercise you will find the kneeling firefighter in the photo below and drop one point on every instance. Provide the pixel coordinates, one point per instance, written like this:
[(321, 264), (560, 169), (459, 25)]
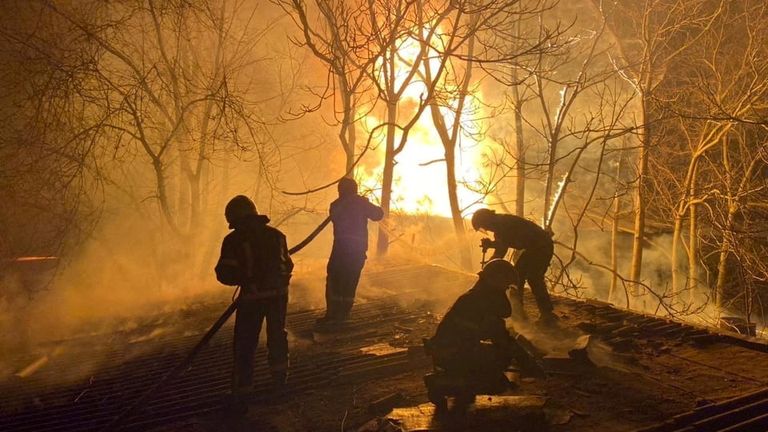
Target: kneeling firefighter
[(472, 340), (255, 257)]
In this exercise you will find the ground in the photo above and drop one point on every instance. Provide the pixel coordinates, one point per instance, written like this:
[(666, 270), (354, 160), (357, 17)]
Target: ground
[(641, 370)]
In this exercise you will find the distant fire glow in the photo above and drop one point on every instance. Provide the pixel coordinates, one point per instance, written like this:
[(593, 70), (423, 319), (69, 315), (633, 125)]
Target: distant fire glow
[(419, 185)]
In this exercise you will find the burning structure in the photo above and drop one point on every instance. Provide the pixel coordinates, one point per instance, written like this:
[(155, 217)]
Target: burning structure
[(635, 132)]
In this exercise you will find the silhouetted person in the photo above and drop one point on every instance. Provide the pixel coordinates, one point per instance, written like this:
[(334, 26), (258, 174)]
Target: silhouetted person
[(255, 257), (515, 232), (350, 214), (477, 315)]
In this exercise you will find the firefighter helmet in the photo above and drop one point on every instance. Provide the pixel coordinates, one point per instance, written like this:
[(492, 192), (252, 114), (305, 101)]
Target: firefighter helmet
[(347, 186), (482, 218), (499, 273), (237, 208)]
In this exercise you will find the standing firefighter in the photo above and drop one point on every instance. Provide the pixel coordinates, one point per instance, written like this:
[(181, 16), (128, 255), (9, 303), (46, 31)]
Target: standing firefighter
[(349, 214), (515, 232), (255, 257)]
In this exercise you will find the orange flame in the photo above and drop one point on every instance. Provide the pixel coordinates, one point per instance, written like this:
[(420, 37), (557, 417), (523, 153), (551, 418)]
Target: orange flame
[(420, 183)]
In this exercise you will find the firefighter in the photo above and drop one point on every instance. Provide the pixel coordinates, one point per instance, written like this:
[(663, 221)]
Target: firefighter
[(477, 315), (515, 232), (350, 214), (255, 257)]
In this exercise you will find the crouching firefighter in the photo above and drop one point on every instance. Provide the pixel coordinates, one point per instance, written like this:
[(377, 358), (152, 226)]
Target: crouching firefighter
[(515, 232), (472, 348), (255, 257)]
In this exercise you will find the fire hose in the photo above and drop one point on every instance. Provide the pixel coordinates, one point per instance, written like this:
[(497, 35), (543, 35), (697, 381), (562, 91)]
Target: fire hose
[(115, 425)]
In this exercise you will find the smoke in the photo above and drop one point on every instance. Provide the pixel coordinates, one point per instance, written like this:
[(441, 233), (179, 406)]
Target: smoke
[(114, 276), (13, 310), (135, 264)]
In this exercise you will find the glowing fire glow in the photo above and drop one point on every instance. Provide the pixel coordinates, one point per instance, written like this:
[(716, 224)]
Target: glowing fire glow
[(420, 185)]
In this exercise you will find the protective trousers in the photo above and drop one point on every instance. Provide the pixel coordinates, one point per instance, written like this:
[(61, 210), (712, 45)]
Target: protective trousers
[(248, 322), (341, 283), (531, 267)]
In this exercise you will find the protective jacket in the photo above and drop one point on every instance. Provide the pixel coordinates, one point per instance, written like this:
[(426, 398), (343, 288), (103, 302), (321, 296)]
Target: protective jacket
[(255, 257), (538, 248), (515, 232), (350, 215), (476, 316)]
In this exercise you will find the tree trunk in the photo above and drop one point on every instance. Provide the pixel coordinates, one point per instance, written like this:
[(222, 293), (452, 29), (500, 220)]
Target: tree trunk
[(551, 161), (450, 140), (640, 204), (453, 199), (677, 232), (382, 245), (351, 141), (162, 195), (693, 242), (688, 200), (725, 249), (733, 208), (519, 144), (347, 134), (615, 231), (520, 150)]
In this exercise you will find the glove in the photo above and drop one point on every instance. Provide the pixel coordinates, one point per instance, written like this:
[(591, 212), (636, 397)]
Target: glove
[(487, 243)]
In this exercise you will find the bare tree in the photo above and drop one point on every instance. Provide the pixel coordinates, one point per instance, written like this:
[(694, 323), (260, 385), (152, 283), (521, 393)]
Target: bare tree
[(49, 179), (509, 54), (729, 90), (171, 102), (716, 84), (337, 34), (581, 106), (453, 97), (450, 134), (648, 37)]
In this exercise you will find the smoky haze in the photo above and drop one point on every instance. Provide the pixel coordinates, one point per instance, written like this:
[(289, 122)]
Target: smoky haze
[(129, 127)]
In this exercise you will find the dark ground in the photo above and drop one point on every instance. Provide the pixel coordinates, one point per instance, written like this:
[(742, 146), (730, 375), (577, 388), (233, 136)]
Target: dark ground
[(653, 380), (645, 370)]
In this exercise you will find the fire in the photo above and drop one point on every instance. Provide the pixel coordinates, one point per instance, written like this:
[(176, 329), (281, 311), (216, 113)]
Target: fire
[(420, 185)]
